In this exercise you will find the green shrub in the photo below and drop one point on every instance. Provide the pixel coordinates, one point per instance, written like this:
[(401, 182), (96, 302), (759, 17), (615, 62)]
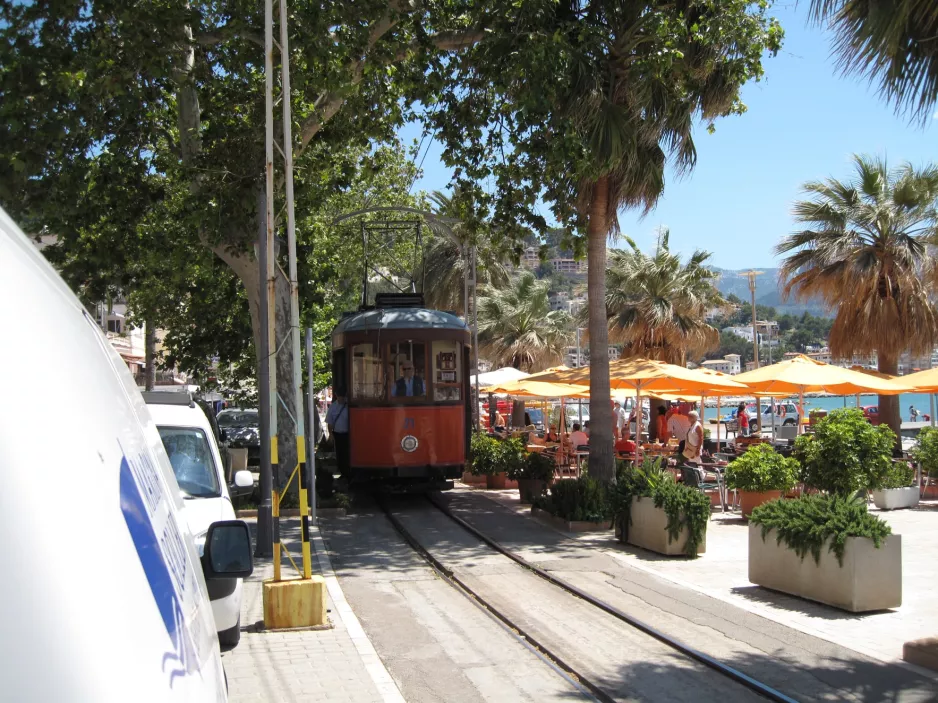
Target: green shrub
[(762, 468), (806, 523), (684, 506), (580, 499), (534, 466), (489, 456), (899, 475), (846, 453), (925, 451)]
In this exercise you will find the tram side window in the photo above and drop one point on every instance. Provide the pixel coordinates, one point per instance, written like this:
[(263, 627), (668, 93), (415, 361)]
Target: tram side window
[(367, 372), (408, 368), (447, 371)]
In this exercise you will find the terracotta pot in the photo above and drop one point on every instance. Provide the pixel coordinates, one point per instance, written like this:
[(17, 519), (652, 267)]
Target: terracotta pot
[(530, 488), (749, 500), (496, 481)]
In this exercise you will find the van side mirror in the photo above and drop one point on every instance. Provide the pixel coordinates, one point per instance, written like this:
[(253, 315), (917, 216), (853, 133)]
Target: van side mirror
[(227, 551), (243, 479)]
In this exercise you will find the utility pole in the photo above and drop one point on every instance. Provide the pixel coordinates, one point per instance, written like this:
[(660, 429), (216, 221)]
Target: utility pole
[(755, 335)]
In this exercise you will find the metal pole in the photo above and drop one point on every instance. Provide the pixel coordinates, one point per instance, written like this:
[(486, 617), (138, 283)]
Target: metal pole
[(311, 451), (579, 409), (474, 261), (271, 273), (264, 547), (302, 477), (755, 336), (931, 402)]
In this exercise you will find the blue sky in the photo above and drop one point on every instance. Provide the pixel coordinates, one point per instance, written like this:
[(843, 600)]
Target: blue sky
[(804, 121)]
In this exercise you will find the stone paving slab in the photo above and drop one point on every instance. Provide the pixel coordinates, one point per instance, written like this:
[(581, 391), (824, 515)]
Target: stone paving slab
[(336, 664)]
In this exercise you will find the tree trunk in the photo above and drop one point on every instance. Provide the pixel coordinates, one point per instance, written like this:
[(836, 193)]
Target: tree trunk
[(149, 358), (889, 411), (601, 463), (245, 266), (517, 413), (653, 404)]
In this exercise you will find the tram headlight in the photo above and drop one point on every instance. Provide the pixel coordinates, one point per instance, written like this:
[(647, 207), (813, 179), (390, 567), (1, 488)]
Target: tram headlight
[(409, 443)]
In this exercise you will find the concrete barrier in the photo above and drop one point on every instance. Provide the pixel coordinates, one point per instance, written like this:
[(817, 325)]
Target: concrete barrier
[(870, 579), (649, 530)]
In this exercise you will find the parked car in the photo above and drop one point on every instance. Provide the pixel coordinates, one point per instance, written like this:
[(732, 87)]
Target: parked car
[(187, 434), (241, 430), (871, 413), (786, 414)]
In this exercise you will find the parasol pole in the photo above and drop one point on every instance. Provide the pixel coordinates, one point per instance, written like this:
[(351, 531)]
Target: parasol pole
[(718, 422), (638, 419), (931, 403)]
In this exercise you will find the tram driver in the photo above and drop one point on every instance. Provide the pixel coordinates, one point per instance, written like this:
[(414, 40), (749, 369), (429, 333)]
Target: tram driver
[(408, 384)]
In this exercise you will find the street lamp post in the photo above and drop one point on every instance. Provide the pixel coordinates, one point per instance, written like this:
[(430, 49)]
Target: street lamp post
[(755, 336)]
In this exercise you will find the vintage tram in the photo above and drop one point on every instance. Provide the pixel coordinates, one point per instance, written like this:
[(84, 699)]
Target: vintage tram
[(405, 372)]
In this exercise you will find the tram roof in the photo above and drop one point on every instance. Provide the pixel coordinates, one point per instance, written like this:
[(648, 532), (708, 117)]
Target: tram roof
[(399, 318)]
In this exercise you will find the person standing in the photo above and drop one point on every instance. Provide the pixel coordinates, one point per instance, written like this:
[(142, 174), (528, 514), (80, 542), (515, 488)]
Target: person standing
[(742, 420), (618, 415), (661, 425), (695, 438), (677, 428), (913, 413), (337, 421)]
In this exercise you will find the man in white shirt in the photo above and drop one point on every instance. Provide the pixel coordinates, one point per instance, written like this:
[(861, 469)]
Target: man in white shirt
[(578, 437), (678, 426), (618, 415)]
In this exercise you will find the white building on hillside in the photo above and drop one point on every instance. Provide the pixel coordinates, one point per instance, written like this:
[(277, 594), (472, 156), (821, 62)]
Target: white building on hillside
[(729, 364), (744, 332)]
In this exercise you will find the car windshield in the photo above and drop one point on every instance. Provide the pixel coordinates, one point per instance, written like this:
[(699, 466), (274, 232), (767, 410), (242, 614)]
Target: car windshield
[(191, 458), (237, 418)]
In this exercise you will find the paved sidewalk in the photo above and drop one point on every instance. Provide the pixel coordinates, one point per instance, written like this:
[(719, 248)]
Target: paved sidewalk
[(722, 573), (335, 664)]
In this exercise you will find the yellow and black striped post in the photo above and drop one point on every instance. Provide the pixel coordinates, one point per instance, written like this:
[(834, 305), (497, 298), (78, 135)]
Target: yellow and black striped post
[(303, 479), (275, 507)]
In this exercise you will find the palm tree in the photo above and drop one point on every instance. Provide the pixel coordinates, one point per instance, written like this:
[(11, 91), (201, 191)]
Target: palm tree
[(445, 260), (893, 41), (656, 304), (865, 251), (517, 327)]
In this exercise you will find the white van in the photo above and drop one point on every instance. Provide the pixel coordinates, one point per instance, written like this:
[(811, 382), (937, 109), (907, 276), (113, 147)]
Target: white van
[(103, 596), (193, 452)]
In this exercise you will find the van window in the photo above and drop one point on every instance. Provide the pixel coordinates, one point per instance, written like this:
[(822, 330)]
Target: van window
[(191, 458), (447, 371), (367, 372)]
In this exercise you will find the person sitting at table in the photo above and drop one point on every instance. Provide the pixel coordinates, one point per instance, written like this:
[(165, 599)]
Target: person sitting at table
[(534, 438), (578, 437), (552, 435), (625, 446), (586, 428)]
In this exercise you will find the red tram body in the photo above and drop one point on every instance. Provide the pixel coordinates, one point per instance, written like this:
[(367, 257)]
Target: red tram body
[(406, 374)]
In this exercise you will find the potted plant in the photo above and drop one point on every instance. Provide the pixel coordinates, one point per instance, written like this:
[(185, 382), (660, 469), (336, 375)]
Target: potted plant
[(654, 512), (925, 453), (761, 475), (845, 454), (533, 474), (509, 458), (579, 505), (483, 455), (855, 564), (896, 490)]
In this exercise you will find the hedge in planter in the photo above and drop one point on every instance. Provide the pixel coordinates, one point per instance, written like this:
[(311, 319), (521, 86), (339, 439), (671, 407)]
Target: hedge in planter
[(761, 474), (490, 456), (532, 473), (806, 523), (581, 500), (845, 454), (685, 507), (896, 489)]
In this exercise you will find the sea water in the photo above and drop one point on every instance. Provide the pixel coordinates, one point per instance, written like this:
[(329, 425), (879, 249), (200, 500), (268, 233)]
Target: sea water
[(921, 402)]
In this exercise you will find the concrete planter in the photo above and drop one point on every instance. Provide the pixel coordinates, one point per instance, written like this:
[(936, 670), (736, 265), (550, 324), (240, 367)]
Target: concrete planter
[(649, 530), (870, 579), (530, 488), (567, 526), (896, 498), (749, 500), (496, 481)]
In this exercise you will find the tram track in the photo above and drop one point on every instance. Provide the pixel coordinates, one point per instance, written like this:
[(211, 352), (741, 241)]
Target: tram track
[(545, 651)]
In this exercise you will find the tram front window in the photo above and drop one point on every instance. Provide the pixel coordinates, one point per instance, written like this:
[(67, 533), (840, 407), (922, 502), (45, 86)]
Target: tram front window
[(447, 370), (408, 368), (367, 372)]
